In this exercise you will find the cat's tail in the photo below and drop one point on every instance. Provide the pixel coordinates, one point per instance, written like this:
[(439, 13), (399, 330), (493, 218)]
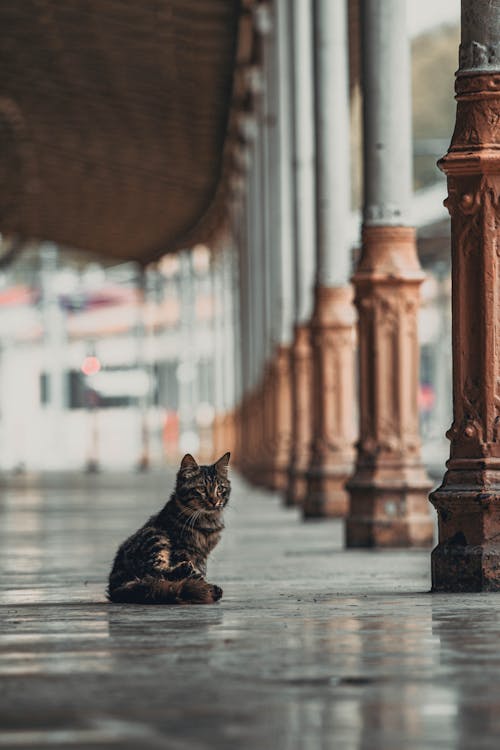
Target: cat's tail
[(150, 590)]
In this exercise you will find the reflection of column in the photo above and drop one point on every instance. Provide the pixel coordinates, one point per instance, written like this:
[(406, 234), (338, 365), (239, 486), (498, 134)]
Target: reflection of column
[(332, 325), (462, 636), (467, 557), (304, 247), (388, 492)]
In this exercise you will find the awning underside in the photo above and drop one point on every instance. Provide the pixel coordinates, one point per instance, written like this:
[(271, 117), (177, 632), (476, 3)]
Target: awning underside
[(113, 116)]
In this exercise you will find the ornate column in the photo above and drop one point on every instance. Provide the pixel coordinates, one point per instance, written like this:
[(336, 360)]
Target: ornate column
[(266, 114), (388, 492), (304, 248), (250, 260), (281, 267), (467, 557), (332, 325)]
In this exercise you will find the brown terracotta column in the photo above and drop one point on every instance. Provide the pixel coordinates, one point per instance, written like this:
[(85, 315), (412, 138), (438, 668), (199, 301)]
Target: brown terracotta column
[(388, 492), (467, 557), (332, 325), (333, 388), (266, 105), (304, 248), (280, 269)]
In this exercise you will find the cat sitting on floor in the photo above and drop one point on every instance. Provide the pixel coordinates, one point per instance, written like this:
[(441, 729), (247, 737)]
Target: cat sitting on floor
[(165, 561)]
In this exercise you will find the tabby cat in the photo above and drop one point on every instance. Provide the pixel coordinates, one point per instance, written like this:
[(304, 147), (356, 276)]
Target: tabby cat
[(165, 561)]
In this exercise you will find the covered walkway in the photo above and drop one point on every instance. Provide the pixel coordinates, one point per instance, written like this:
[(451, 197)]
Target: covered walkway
[(259, 300), (311, 647)]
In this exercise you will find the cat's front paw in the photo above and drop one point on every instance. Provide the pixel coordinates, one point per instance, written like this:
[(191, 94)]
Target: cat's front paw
[(183, 570)]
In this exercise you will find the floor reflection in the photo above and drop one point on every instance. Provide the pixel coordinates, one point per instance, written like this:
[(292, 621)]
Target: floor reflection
[(469, 637), (303, 651)]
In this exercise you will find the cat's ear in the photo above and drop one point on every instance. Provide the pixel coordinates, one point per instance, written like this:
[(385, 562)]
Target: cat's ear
[(223, 462), (188, 462)]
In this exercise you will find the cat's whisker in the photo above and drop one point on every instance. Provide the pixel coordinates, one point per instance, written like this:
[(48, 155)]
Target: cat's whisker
[(197, 514), (188, 522)]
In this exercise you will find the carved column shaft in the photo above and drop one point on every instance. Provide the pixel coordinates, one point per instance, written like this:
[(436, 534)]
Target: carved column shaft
[(467, 557), (332, 336), (332, 327), (388, 491), (281, 270)]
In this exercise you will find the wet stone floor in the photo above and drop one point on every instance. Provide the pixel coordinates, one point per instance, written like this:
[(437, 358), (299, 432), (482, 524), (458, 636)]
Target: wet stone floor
[(311, 647)]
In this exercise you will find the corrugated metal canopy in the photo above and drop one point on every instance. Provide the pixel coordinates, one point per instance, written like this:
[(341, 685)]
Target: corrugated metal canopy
[(113, 115)]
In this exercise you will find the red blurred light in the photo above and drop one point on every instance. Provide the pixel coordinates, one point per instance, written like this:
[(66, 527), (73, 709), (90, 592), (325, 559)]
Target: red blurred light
[(90, 366)]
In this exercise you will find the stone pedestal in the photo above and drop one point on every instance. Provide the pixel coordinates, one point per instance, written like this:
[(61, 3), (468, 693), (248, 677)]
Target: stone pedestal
[(388, 492), (467, 557), (333, 399), (301, 432)]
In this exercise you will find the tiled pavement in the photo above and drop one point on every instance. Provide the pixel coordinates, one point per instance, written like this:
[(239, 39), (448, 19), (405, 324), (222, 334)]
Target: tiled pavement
[(311, 647)]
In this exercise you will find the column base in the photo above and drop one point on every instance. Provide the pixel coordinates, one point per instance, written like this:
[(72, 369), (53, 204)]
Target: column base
[(467, 557), (326, 496), (458, 567), (389, 513)]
